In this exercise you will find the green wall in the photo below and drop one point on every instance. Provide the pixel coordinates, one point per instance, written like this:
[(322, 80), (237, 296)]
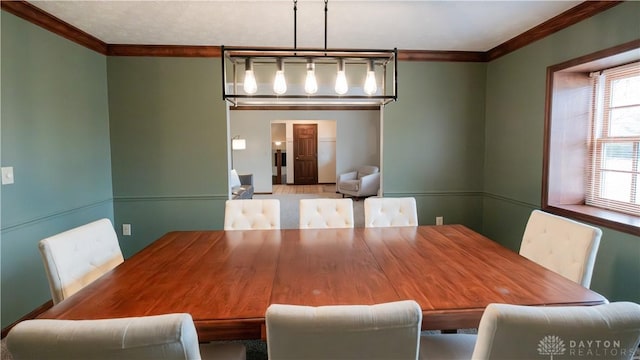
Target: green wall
[(55, 133), (514, 142), (144, 141), (433, 140), (169, 146)]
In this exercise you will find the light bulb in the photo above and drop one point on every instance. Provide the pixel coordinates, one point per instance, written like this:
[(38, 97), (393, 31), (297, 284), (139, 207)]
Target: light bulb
[(341, 79), (310, 84), (250, 85), (370, 86), (280, 83)]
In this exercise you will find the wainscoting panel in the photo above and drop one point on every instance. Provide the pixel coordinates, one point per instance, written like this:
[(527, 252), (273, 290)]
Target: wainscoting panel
[(152, 217), (455, 207), (24, 283)]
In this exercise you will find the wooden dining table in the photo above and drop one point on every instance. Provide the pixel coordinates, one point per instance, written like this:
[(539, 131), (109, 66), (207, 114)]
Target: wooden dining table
[(227, 279)]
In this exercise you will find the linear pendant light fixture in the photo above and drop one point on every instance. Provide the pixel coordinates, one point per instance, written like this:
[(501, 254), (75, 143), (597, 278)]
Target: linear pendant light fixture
[(327, 77)]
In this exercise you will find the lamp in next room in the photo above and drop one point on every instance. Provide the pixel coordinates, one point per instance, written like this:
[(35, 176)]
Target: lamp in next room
[(237, 144)]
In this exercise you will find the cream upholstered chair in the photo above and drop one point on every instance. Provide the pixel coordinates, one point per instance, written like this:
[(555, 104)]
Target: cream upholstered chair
[(252, 214), (326, 213), (382, 331), (76, 257), (384, 212), (160, 337), (530, 332), (365, 181), (562, 245)]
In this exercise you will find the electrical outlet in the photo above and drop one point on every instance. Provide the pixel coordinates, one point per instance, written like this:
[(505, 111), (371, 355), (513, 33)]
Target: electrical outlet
[(439, 220), (7, 175), (126, 229)]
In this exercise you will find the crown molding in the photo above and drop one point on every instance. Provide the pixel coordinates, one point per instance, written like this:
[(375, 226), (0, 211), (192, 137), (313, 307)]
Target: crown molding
[(572, 16), (43, 19), (163, 50), (426, 55), (38, 17)]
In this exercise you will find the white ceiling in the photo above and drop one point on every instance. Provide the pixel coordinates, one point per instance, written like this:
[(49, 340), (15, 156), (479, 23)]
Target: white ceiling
[(407, 25)]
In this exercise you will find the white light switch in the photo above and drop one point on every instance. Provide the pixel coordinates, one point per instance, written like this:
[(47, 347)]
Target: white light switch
[(126, 229), (7, 175)]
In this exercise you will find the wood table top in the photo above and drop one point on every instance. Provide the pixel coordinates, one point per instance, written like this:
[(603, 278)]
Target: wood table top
[(227, 279)]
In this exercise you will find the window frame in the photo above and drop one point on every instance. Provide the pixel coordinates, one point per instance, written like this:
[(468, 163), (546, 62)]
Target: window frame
[(567, 199), (601, 137)]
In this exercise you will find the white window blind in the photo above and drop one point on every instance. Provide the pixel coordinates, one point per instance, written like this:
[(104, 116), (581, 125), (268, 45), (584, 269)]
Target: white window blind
[(613, 176)]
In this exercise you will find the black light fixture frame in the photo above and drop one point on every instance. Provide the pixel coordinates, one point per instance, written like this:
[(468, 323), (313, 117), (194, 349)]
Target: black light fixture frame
[(237, 56)]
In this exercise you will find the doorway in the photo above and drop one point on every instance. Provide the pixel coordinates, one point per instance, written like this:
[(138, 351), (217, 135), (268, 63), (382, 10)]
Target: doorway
[(278, 148), (346, 139), (305, 154)]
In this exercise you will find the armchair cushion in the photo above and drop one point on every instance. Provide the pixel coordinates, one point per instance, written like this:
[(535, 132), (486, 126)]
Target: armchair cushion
[(366, 170), (350, 185)]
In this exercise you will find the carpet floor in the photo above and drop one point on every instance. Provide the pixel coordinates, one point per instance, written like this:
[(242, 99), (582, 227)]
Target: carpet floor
[(256, 350), (289, 206)]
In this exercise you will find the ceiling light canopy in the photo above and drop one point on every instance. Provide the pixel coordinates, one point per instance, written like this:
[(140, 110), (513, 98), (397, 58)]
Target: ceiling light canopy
[(292, 76)]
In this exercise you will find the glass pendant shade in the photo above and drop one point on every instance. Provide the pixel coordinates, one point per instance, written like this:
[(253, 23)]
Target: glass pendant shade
[(341, 79), (311, 84), (280, 83), (370, 86), (250, 85)]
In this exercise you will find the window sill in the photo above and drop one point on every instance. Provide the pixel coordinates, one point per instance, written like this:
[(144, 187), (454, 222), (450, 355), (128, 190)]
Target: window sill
[(610, 219)]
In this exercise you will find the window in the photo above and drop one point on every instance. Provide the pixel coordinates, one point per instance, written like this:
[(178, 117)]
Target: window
[(592, 139), (613, 177)]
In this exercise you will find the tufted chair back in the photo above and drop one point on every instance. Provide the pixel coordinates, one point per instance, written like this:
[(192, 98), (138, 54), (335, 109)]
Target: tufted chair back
[(562, 245), (76, 257), (326, 213), (159, 337), (252, 214), (385, 212), (382, 331), (608, 331)]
